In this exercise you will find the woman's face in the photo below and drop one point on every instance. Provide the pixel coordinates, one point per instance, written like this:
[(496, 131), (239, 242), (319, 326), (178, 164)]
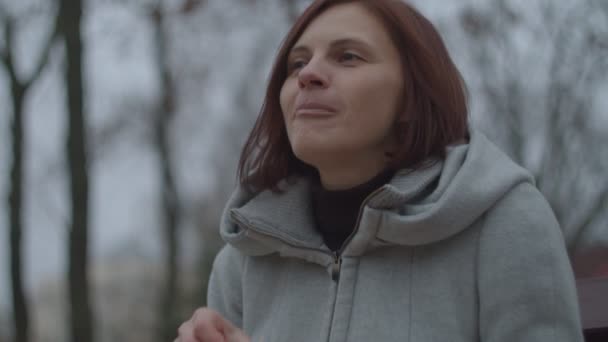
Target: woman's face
[(343, 87)]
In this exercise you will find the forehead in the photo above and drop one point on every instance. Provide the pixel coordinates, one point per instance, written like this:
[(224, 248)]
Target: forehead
[(350, 20)]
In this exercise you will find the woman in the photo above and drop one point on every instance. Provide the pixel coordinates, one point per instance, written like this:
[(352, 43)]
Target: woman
[(368, 211)]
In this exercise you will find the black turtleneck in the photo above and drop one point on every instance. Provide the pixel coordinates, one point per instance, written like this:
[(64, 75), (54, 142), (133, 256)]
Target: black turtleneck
[(336, 211)]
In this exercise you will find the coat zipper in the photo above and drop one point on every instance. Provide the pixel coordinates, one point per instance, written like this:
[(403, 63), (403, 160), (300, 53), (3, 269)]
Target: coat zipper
[(335, 273), (335, 277), (337, 255), (337, 265)]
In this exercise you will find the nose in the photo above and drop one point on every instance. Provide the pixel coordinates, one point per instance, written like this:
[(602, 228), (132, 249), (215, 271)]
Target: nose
[(312, 76)]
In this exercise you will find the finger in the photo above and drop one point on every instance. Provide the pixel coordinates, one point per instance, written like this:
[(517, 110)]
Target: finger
[(230, 332), (205, 331), (209, 326), (185, 333), (237, 336), (224, 325)]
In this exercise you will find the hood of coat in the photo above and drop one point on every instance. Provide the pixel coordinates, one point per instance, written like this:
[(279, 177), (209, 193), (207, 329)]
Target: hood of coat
[(417, 207)]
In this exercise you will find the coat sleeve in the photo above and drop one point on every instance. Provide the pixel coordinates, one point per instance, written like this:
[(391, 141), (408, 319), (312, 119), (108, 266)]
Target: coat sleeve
[(526, 286), (224, 293)]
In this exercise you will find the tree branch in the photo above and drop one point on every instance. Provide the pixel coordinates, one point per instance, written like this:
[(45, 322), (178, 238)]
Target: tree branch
[(4, 21), (46, 51), (6, 55)]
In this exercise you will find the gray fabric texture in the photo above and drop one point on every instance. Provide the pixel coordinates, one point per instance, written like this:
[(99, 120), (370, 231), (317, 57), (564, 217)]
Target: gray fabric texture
[(464, 250)]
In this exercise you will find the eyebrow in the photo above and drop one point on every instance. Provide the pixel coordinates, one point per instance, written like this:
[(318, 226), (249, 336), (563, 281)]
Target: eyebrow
[(335, 43)]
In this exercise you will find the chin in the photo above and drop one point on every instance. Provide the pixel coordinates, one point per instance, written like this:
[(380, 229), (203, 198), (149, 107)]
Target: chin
[(314, 154), (308, 156)]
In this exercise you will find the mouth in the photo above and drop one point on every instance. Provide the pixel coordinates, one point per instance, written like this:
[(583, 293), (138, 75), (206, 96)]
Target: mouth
[(312, 109)]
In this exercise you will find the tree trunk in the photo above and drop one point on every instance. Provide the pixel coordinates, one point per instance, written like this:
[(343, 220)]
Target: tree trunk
[(168, 304), (168, 319), (19, 91), (81, 317), (15, 200)]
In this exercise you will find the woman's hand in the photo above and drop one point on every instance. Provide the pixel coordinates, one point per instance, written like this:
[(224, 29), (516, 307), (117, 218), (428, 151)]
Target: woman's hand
[(207, 325)]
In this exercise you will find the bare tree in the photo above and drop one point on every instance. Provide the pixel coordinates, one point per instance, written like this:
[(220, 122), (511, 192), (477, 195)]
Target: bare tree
[(164, 115), (225, 160), (19, 91), (81, 313), (539, 103), (169, 193)]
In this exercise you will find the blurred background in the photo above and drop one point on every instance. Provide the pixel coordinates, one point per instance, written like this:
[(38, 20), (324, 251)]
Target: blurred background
[(121, 123)]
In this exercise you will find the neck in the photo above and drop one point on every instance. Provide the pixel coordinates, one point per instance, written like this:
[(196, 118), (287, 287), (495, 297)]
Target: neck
[(342, 176)]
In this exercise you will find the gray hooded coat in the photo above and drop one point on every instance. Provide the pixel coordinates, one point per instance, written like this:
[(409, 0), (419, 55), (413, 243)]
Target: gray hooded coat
[(465, 250)]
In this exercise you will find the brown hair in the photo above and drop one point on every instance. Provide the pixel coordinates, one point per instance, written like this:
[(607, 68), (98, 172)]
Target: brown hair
[(434, 100)]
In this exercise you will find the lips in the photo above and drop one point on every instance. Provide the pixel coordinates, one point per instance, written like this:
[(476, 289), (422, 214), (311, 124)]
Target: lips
[(314, 109)]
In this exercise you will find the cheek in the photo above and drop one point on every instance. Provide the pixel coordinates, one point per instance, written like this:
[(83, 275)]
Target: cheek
[(286, 98), (375, 107), (282, 101)]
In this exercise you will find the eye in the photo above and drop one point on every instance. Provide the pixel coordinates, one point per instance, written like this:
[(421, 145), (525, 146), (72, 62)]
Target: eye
[(349, 57), (295, 65)]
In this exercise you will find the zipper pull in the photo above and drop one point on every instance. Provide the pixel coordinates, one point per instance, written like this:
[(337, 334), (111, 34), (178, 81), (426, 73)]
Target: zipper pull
[(335, 267)]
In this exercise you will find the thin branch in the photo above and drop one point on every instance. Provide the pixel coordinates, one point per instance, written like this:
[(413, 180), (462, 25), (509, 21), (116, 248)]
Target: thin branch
[(46, 51), (4, 55), (557, 92), (7, 55)]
